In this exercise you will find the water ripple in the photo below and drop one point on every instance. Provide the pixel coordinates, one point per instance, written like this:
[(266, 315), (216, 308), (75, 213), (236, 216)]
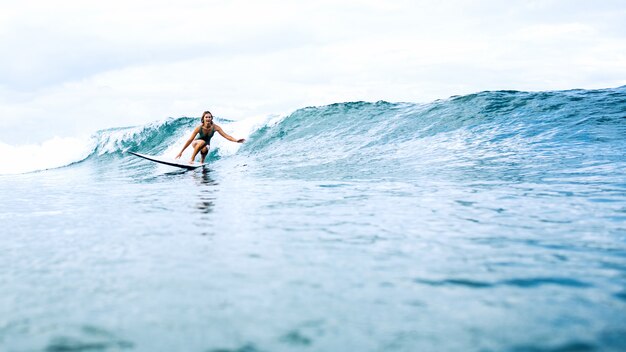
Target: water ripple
[(521, 283)]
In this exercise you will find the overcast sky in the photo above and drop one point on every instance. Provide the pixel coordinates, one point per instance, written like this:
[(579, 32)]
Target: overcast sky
[(74, 67)]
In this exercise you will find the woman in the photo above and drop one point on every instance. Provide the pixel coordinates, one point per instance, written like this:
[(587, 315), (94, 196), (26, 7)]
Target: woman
[(205, 132)]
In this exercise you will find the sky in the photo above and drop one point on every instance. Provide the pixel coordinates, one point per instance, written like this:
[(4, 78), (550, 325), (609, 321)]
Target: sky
[(70, 68)]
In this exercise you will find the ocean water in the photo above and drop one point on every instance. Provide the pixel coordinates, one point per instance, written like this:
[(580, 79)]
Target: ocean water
[(489, 222)]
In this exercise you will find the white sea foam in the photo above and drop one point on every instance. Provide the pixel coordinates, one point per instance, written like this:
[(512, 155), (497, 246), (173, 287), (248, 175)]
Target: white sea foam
[(52, 153)]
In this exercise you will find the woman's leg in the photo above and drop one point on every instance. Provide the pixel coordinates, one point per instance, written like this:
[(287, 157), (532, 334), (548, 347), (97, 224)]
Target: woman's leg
[(197, 145), (203, 152)]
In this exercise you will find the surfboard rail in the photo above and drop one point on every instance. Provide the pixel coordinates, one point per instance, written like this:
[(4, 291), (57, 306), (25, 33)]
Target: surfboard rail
[(165, 161)]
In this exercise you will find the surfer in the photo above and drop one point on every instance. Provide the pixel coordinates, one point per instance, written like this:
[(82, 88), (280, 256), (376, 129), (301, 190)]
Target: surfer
[(205, 132)]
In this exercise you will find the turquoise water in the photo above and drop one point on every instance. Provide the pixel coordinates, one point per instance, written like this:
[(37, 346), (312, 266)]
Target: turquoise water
[(489, 222)]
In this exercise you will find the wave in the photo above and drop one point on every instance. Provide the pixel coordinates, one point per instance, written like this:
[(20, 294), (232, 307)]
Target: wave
[(496, 133), (489, 135), (560, 114)]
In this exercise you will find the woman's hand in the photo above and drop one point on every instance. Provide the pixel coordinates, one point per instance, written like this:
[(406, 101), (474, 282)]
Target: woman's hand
[(241, 140)]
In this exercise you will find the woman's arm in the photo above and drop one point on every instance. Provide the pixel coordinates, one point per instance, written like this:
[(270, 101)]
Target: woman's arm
[(193, 135), (220, 131)]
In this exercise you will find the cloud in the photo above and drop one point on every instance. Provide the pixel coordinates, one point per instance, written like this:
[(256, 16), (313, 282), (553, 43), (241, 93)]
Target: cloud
[(556, 32)]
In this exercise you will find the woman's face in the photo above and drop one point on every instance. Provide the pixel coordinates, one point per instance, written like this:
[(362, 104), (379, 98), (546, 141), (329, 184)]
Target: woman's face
[(208, 119)]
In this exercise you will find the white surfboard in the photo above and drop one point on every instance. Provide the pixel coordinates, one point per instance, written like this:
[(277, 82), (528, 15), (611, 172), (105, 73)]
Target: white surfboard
[(170, 161)]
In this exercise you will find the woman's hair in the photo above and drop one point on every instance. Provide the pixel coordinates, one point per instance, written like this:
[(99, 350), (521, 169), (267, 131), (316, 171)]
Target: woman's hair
[(203, 114)]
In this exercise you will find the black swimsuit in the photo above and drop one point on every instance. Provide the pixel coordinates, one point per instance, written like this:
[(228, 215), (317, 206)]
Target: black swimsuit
[(206, 137)]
